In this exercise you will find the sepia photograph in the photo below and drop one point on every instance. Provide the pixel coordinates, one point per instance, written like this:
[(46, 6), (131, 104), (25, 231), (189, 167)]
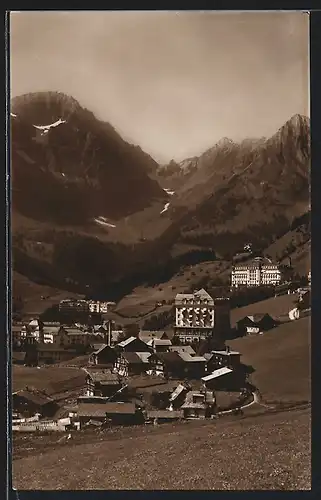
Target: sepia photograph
[(161, 250)]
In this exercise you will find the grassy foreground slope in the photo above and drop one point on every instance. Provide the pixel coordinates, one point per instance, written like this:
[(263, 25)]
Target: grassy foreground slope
[(281, 358), (266, 452)]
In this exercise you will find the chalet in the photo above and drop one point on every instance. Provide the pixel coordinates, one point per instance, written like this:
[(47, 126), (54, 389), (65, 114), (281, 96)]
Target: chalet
[(49, 333), (214, 379), (91, 411), (167, 364), (132, 363), (104, 355), (132, 344), (198, 405), (72, 336), (115, 413), (159, 345), (182, 348), (28, 403), (196, 366), (102, 383), (147, 335), (160, 416), (178, 396), (255, 324), (51, 353), (218, 359)]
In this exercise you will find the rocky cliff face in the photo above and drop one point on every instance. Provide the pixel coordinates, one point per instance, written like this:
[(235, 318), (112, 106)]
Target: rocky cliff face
[(69, 167)]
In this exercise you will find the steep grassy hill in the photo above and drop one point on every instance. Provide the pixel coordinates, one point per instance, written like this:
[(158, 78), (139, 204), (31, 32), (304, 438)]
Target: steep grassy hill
[(281, 358)]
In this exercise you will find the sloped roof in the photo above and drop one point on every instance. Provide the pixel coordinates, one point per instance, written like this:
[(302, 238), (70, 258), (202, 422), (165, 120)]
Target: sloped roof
[(144, 356), (141, 381), (182, 348), (169, 357), (191, 359), (126, 342), (179, 389), (103, 376), (164, 414), (257, 317), (34, 397), (103, 409), (146, 335), (100, 348), (131, 358), (160, 342), (203, 294), (92, 410), (226, 353), (199, 406), (217, 373)]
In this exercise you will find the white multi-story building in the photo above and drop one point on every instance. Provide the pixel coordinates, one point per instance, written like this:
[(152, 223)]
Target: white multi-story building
[(96, 306), (259, 272), (197, 315)]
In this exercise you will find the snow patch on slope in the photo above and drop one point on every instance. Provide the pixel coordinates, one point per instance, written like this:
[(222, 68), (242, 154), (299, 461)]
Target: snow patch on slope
[(165, 208), (103, 222), (168, 191), (52, 125)]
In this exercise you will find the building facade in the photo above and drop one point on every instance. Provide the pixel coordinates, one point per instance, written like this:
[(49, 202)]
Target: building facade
[(259, 272), (198, 315), (100, 307)]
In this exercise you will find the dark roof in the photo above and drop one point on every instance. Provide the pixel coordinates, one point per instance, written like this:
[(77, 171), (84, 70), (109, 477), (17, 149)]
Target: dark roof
[(168, 386), (141, 382), (91, 410), (120, 408), (132, 358), (255, 318), (169, 358), (182, 348), (34, 397), (164, 414), (104, 377)]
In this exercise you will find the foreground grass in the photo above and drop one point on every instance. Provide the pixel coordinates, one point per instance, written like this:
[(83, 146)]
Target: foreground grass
[(51, 379), (271, 451), (281, 358)]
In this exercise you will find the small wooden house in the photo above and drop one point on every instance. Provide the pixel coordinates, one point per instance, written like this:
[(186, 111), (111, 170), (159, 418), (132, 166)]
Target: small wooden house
[(132, 344), (218, 359), (159, 345), (28, 403), (104, 355), (131, 363), (255, 324), (102, 383)]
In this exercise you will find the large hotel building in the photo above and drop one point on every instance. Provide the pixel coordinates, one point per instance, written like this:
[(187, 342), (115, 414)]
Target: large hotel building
[(198, 315), (259, 272)]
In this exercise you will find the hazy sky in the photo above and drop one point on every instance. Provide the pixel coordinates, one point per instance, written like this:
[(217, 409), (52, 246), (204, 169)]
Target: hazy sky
[(174, 83)]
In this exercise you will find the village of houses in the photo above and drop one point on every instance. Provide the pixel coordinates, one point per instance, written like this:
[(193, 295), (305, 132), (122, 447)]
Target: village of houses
[(152, 376)]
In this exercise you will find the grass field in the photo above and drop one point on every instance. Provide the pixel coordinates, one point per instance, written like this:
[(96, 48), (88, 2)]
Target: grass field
[(264, 449), (255, 453), (53, 380), (275, 306), (281, 358)]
